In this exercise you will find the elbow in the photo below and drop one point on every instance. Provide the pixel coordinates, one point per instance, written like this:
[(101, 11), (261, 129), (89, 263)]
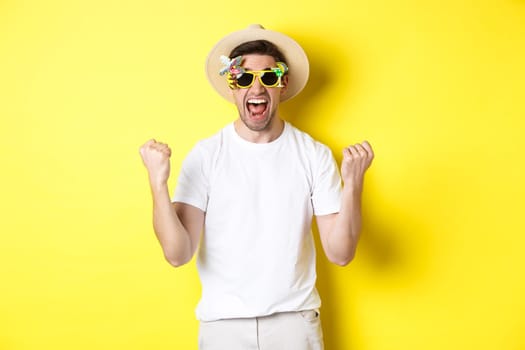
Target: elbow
[(175, 261), (342, 260)]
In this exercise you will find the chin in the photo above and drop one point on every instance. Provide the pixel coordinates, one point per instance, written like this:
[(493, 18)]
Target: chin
[(259, 125)]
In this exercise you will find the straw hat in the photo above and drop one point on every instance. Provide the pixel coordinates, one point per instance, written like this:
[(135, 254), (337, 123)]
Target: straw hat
[(295, 56)]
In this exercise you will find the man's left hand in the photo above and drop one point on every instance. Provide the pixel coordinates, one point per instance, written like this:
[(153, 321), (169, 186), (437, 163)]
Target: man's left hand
[(356, 160)]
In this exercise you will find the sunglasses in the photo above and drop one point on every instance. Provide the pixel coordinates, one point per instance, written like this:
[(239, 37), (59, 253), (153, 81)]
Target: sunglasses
[(267, 78)]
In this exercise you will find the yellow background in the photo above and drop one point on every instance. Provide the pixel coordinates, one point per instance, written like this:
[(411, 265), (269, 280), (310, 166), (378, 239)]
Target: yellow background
[(437, 87)]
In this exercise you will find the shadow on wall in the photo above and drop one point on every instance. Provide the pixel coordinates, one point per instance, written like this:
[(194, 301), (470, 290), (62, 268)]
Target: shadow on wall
[(384, 250), (384, 260), (322, 73)]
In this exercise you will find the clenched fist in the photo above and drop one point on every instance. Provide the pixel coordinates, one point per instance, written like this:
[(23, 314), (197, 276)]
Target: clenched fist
[(356, 160), (156, 158)]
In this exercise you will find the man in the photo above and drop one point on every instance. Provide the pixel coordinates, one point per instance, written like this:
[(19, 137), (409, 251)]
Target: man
[(246, 197)]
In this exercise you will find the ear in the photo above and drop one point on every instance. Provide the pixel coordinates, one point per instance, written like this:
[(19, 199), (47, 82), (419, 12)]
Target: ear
[(284, 81)]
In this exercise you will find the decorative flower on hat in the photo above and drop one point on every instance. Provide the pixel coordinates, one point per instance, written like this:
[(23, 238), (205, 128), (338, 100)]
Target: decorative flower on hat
[(232, 66)]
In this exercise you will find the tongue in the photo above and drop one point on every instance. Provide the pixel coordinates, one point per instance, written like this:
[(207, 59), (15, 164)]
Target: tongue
[(257, 108)]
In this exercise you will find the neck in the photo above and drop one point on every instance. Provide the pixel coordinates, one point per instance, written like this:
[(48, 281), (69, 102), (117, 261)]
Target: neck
[(267, 135)]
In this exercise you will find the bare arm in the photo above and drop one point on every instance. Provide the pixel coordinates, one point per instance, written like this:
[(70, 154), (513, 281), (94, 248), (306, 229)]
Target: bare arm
[(177, 225), (340, 232)]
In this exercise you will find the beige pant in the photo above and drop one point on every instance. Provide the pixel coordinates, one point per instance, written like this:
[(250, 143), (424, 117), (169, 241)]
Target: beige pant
[(283, 331)]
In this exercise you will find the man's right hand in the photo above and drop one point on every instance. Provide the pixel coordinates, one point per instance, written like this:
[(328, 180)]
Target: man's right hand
[(156, 158)]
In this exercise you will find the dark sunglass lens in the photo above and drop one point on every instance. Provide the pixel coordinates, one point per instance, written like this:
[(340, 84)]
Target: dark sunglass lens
[(269, 78), (245, 79)]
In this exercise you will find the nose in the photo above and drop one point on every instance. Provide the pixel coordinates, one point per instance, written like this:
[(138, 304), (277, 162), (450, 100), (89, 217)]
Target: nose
[(257, 87)]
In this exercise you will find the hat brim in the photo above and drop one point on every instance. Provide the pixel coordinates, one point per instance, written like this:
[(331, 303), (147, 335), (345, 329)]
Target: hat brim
[(296, 58)]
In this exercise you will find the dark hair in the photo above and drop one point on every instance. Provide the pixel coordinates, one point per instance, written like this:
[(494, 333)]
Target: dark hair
[(261, 47)]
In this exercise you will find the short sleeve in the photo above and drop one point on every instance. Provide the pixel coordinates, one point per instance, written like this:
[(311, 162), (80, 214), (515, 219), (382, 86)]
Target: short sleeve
[(192, 184), (326, 192)]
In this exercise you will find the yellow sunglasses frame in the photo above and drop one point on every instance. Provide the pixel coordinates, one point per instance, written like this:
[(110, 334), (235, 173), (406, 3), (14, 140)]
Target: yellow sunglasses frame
[(258, 75)]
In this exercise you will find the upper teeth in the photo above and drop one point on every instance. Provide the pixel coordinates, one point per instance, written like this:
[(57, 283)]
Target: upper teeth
[(256, 100)]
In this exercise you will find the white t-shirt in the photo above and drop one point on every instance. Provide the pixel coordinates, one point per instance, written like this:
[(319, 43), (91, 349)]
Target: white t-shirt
[(257, 254)]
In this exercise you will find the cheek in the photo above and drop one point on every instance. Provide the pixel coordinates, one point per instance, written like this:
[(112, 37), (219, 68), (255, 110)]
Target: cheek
[(285, 83), (238, 97), (281, 92)]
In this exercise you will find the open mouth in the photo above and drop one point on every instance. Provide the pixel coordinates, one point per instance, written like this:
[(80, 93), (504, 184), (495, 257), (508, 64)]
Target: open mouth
[(257, 106)]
